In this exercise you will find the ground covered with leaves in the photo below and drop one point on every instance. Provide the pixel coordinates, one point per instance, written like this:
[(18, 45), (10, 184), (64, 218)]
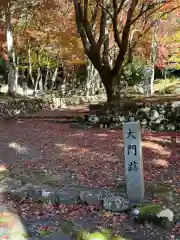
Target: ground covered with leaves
[(46, 152)]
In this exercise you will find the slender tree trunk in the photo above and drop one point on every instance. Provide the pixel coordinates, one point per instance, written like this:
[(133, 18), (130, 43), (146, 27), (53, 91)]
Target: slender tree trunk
[(47, 76), (153, 59), (37, 81), (39, 75), (12, 83), (152, 80), (54, 76), (30, 65), (17, 72)]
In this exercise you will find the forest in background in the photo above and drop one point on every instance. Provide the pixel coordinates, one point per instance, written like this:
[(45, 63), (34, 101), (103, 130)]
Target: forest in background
[(87, 48)]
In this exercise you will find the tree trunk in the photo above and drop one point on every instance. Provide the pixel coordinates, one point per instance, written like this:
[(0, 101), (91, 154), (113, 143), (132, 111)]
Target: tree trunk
[(46, 77), (17, 72), (12, 81), (41, 87), (153, 58), (54, 76), (37, 81), (109, 88), (109, 92), (116, 88), (30, 65), (152, 80)]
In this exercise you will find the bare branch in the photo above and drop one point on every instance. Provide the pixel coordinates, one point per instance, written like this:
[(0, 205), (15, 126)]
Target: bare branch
[(123, 44), (151, 9), (103, 24), (81, 31), (94, 15), (120, 5)]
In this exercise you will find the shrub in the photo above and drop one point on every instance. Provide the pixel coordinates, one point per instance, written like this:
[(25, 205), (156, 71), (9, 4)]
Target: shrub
[(133, 72)]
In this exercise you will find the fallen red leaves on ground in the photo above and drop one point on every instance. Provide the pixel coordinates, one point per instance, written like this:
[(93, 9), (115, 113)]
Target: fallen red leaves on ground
[(92, 157)]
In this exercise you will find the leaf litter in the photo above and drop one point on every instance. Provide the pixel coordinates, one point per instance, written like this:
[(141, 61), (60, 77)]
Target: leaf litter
[(58, 155)]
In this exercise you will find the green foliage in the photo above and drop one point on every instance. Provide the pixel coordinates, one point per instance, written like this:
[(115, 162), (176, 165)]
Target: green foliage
[(162, 188), (175, 56), (2, 62), (134, 72), (69, 227), (97, 236), (150, 209), (176, 59), (81, 75), (44, 61)]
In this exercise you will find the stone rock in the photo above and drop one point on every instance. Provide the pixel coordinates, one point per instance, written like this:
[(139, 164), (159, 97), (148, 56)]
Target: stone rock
[(30, 191), (68, 196), (175, 104), (131, 119), (170, 127), (154, 115), (166, 214), (143, 112), (116, 203), (93, 119), (135, 213), (153, 213), (8, 184), (161, 128), (91, 197), (144, 122), (122, 119)]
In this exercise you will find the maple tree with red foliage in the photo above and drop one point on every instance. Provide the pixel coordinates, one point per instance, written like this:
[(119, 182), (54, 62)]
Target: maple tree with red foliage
[(105, 32), (115, 19)]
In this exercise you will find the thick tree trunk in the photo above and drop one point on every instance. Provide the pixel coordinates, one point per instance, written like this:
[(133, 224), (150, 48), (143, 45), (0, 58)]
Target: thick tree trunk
[(110, 91), (11, 64), (115, 88)]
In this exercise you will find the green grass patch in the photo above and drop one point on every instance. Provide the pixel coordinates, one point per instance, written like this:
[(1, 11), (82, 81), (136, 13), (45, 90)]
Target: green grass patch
[(162, 84)]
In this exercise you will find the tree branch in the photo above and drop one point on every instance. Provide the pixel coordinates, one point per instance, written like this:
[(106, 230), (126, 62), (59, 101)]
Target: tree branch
[(81, 31), (103, 24), (94, 15), (123, 43)]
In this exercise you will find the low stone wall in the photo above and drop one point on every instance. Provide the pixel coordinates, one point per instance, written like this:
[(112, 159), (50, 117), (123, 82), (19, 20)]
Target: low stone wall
[(153, 116), (10, 108), (58, 102)]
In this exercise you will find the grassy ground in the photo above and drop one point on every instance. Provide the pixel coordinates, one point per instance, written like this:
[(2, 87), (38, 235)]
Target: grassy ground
[(165, 85)]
